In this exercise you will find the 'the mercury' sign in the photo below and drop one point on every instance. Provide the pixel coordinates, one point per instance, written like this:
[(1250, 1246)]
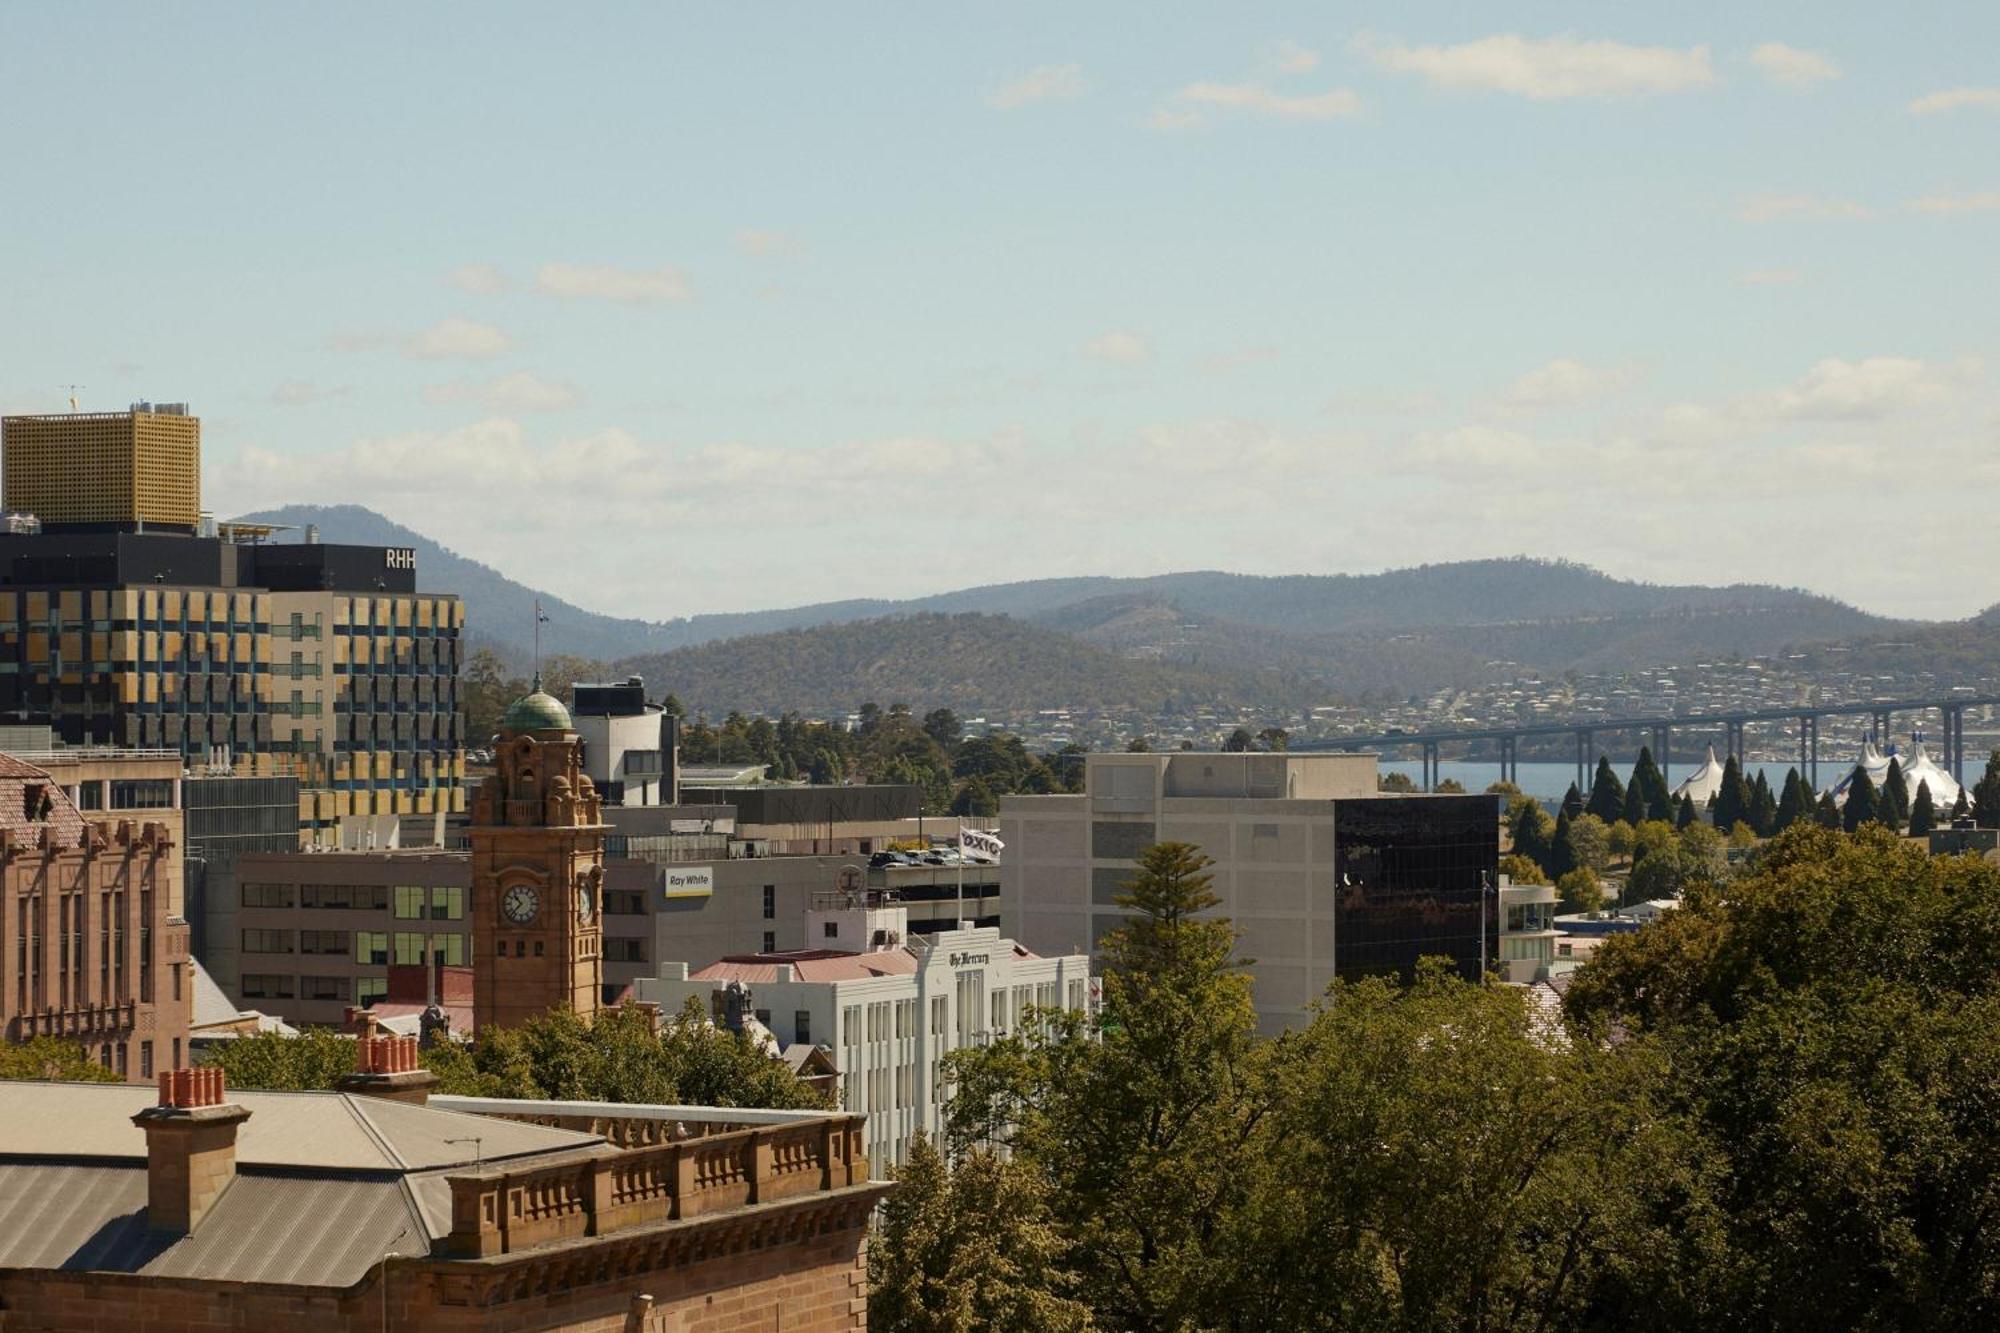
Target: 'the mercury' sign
[(399, 557)]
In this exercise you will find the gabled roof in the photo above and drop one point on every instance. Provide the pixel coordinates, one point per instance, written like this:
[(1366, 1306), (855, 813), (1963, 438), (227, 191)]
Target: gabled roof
[(809, 965), (322, 1131)]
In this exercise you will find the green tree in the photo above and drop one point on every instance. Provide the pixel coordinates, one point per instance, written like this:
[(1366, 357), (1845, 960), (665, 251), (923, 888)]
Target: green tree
[(1652, 784), (1827, 812), (1860, 807), (1239, 741), (1275, 739), (969, 1246), (1732, 800), (1580, 891), (1607, 793), (976, 799), (1962, 807), (1892, 802), (1502, 788), (1572, 802), (1618, 840), (1794, 805), (1140, 1134), (53, 1059), (1141, 745), (1634, 811), (1522, 870), (1829, 1023), (1449, 787), (1396, 782), (942, 725), (1763, 807), (1923, 813), (1589, 842), (1684, 813), (1561, 855), (1533, 833), (312, 1058), (1986, 794)]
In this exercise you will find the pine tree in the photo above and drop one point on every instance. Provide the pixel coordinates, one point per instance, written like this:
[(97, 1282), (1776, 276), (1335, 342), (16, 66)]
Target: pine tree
[(1794, 805), (1986, 794), (1533, 836), (1893, 805), (1861, 806), (1607, 794), (1962, 807), (1562, 856), (1732, 799), (1763, 807), (1572, 802), (1685, 815), (1634, 810), (1923, 813), (1826, 814), (1652, 783)]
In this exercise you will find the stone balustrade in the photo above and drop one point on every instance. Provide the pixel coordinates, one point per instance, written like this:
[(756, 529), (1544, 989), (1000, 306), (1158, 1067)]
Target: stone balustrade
[(499, 1211)]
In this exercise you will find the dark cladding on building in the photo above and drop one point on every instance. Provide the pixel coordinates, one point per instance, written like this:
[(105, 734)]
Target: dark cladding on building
[(1411, 877)]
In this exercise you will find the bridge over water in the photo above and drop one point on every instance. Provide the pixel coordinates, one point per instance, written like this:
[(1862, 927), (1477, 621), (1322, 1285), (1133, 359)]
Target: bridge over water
[(1660, 728)]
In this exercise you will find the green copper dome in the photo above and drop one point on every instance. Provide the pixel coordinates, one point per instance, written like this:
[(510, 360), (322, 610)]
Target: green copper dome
[(536, 712)]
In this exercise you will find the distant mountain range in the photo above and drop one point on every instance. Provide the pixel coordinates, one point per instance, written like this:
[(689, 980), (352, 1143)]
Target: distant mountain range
[(1280, 641)]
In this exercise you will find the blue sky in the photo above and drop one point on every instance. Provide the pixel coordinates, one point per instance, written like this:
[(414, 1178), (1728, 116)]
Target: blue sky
[(686, 310)]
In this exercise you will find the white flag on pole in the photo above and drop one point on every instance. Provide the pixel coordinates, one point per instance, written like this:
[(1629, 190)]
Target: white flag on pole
[(980, 841)]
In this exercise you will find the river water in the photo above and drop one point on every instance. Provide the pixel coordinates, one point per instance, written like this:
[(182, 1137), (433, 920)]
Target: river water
[(1547, 782)]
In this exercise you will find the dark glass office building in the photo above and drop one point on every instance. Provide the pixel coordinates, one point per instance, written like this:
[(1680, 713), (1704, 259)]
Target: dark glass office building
[(1408, 875)]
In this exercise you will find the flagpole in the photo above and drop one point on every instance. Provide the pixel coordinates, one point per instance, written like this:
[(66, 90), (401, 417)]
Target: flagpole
[(961, 870)]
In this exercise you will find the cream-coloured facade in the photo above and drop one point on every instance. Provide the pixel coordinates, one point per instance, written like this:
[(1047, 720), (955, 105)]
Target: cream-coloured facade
[(1322, 875), (137, 467)]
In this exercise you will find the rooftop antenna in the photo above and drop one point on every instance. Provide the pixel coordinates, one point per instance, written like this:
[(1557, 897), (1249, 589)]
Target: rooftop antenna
[(72, 393), (540, 620)]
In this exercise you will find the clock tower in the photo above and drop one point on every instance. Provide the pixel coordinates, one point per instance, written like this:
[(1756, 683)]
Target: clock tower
[(537, 873)]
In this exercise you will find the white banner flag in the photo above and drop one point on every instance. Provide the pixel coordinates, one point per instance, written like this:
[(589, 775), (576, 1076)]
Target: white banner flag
[(976, 840)]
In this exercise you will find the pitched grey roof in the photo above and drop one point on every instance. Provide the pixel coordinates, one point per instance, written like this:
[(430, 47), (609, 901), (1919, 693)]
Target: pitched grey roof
[(327, 1131), (308, 1230)]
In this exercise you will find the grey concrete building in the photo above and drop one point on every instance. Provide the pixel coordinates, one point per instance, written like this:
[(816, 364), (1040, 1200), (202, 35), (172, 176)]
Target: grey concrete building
[(1322, 875)]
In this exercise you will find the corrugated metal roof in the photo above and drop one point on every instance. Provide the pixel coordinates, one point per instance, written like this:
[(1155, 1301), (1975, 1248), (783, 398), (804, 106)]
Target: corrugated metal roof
[(302, 1230), (326, 1131)]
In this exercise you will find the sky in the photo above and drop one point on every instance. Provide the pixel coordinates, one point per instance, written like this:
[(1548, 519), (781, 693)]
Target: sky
[(677, 309)]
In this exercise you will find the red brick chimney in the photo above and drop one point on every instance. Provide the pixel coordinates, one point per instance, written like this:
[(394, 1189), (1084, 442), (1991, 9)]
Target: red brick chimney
[(190, 1148), (389, 1067)]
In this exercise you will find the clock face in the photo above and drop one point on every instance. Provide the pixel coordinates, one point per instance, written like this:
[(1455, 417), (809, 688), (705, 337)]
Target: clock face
[(520, 904)]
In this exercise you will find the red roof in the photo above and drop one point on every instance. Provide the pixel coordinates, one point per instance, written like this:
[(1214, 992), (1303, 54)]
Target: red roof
[(59, 815)]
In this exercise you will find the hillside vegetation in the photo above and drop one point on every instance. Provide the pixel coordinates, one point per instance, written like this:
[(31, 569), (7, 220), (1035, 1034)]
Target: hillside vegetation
[(965, 662)]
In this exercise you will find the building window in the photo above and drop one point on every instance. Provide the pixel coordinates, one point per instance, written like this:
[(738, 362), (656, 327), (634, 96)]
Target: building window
[(331, 942), (447, 903), (770, 942), (267, 895), (324, 988), (832, 930), (266, 986), (409, 948), (1114, 841), (770, 902), (371, 946), (142, 794), (410, 902), (802, 1024), (367, 990), (267, 941), (625, 950), (145, 1059)]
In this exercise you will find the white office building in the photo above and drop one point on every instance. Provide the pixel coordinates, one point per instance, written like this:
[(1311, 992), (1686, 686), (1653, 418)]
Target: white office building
[(886, 1006)]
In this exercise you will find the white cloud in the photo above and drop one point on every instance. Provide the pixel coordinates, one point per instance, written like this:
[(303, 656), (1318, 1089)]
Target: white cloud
[(305, 393), (1871, 389), (1044, 83), (484, 279), (1564, 383), (457, 339), (603, 282), (1770, 277), (1799, 208), (1257, 99), (1982, 201), (518, 391), (1124, 348), (1793, 67), (1547, 69), (1288, 57), (768, 243), (1955, 99)]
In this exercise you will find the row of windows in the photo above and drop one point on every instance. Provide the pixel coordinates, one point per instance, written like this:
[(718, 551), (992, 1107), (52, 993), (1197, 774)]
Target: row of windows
[(282, 986), (413, 902)]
